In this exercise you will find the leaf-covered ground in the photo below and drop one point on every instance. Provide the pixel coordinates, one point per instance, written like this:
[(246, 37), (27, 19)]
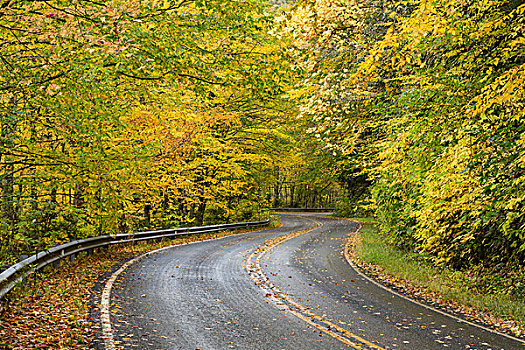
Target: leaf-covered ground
[(52, 309)]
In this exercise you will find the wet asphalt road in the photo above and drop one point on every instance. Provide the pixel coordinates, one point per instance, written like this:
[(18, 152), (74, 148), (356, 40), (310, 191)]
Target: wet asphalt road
[(204, 296)]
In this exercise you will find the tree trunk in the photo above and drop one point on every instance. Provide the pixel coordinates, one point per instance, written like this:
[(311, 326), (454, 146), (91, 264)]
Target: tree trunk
[(8, 209), (147, 215), (199, 215)]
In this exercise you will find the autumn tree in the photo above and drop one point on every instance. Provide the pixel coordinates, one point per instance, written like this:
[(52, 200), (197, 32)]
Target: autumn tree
[(426, 99), (112, 111)]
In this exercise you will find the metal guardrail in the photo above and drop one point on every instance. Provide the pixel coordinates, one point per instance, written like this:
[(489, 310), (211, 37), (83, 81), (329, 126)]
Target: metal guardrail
[(17, 272), (307, 210)]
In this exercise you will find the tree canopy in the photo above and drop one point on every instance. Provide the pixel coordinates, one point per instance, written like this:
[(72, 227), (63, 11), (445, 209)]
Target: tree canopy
[(119, 115), (423, 100)]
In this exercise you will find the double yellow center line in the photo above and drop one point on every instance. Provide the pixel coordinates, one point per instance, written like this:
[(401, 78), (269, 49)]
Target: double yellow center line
[(255, 271)]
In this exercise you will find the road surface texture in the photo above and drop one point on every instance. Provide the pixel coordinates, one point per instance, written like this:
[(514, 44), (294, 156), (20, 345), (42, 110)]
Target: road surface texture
[(283, 288)]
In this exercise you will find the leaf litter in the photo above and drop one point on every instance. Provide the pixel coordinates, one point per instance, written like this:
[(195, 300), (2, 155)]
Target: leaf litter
[(51, 309)]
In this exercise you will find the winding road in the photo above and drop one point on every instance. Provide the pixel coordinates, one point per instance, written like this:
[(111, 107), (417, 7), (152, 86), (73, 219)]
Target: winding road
[(283, 288)]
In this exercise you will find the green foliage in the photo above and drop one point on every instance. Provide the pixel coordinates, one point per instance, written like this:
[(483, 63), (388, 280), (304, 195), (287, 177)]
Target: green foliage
[(127, 115), (426, 99)]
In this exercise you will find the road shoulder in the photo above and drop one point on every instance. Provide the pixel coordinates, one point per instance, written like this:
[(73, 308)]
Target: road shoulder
[(425, 296)]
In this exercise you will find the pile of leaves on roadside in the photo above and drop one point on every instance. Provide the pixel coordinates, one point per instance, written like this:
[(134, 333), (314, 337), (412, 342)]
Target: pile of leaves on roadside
[(51, 309)]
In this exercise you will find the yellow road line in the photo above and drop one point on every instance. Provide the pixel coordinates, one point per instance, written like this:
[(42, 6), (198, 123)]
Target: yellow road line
[(302, 312), (105, 318)]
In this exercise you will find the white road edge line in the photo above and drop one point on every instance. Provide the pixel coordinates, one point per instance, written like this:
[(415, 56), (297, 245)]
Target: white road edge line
[(105, 312), (460, 320)]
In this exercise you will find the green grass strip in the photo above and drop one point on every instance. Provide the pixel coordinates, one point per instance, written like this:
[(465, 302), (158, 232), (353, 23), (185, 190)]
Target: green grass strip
[(458, 288)]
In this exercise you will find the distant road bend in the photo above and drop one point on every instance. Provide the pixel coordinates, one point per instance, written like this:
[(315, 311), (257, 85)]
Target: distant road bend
[(283, 288)]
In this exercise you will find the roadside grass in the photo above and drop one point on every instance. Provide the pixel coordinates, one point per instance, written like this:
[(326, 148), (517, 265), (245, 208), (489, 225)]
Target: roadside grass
[(461, 291), (364, 220), (51, 309)]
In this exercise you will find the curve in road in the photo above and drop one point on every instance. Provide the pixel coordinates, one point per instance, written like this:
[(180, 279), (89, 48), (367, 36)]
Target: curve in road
[(284, 288)]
